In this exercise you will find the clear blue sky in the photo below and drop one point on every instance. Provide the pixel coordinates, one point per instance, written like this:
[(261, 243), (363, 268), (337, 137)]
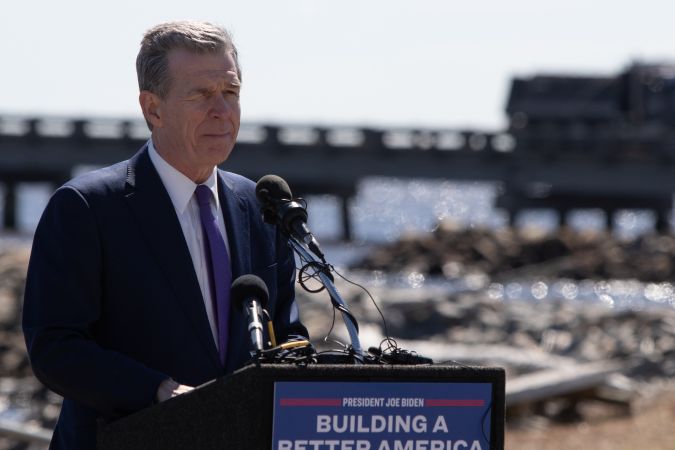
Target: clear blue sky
[(410, 63)]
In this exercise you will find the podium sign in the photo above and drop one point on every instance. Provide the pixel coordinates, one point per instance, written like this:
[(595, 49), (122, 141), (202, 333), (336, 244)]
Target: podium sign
[(324, 407), (381, 416)]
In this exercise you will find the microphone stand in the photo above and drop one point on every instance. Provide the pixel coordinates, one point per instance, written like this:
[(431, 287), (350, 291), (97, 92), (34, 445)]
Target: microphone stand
[(330, 287)]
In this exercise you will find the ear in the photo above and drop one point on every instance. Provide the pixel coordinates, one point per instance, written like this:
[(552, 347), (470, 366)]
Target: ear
[(151, 106)]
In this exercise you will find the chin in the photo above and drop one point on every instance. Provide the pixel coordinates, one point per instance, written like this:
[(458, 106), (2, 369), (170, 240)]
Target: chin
[(219, 154)]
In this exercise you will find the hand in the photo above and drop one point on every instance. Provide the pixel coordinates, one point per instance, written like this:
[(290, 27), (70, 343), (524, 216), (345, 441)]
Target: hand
[(170, 388)]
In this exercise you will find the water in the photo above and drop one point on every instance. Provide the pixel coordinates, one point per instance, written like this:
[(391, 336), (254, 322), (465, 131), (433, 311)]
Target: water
[(31, 200), (618, 295), (385, 209)]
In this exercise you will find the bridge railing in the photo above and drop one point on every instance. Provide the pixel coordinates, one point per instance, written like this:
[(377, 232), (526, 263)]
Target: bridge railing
[(282, 135), (546, 140), (331, 160)]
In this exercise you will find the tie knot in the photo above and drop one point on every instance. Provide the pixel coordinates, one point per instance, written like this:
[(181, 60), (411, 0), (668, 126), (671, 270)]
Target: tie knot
[(203, 194)]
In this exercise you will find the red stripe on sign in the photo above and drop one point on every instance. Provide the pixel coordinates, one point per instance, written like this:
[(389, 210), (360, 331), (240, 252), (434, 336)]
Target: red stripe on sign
[(310, 402), (454, 402)]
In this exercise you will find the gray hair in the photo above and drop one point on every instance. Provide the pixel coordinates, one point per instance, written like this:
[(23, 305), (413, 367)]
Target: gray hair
[(202, 38)]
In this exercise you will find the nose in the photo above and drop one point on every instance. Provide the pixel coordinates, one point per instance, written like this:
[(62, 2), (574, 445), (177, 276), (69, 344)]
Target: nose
[(219, 108)]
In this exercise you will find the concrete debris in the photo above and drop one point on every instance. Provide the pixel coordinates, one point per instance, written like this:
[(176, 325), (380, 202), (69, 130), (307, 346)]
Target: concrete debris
[(547, 384), (576, 350), (25, 433), (508, 254), (28, 410), (563, 359)]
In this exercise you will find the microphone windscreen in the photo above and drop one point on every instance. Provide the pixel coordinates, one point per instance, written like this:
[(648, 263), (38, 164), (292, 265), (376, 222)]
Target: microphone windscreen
[(275, 186), (248, 286)]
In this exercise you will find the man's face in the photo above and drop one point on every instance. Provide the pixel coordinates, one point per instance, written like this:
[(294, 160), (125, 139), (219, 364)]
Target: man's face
[(201, 112)]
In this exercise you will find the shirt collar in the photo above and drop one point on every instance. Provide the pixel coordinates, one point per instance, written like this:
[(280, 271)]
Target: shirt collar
[(180, 187)]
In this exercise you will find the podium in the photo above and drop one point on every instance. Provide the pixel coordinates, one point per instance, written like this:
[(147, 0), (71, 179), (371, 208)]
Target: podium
[(238, 411)]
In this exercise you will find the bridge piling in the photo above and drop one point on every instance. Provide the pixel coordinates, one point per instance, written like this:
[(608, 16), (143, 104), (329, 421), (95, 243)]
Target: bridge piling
[(579, 177), (9, 207)]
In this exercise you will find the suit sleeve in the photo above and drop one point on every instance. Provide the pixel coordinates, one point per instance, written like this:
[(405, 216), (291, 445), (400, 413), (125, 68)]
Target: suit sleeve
[(62, 304), (287, 323)]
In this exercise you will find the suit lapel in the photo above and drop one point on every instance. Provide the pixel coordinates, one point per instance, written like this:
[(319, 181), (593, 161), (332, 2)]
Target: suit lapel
[(154, 213), (235, 214)]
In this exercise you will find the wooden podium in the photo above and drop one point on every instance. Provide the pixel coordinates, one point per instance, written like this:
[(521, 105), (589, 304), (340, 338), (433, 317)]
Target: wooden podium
[(237, 411)]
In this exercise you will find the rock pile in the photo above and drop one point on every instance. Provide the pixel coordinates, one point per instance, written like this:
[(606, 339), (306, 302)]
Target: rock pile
[(473, 327), (22, 397), (525, 337), (508, 254), (13, 356), (567, 329)]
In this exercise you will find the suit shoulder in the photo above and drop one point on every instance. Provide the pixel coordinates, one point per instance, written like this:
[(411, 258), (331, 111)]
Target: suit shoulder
[(101, 182), (241, 186)]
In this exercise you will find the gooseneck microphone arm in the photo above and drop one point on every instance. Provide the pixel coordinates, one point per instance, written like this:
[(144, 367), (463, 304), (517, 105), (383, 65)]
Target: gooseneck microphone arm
[(333, 292), (279, 208)]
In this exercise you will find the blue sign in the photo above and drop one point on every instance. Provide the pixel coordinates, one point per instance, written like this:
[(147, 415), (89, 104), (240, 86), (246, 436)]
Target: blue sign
[(381, 416)]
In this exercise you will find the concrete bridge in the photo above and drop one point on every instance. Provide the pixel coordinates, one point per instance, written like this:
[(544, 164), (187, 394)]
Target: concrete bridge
[(332, 160)]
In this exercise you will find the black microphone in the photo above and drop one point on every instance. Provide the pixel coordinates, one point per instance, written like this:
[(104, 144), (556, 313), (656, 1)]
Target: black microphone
[(398, 356), (249, 295), (280, 208)]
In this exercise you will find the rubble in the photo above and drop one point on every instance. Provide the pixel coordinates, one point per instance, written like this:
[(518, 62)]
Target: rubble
[(507, 254), (548, 384), (552, 332), (577, 343), (535, 338), (23, 399)]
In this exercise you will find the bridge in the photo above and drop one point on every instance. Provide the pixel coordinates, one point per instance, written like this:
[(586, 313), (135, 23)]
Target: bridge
[(572, 142), (332, 161)]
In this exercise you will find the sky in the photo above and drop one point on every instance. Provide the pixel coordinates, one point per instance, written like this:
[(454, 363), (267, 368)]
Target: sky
[(436, 64)]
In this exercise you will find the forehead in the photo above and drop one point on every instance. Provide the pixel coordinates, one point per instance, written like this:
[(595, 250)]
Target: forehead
[(186, 67)]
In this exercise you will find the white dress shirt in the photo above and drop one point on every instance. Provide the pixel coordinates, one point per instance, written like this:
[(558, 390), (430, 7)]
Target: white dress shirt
[(182, 192)]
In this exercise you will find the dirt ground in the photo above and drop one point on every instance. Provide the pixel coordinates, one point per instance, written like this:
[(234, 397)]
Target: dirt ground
[(651, 427)]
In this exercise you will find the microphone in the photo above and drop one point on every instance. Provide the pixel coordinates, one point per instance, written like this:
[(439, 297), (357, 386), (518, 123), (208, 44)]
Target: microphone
[(249, 295), (399, 356), (280, 208)]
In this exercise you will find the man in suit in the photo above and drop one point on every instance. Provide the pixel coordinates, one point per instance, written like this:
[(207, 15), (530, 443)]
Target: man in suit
[(126, 299)]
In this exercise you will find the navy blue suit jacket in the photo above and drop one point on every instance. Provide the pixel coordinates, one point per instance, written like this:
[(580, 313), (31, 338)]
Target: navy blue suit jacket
[(112, 305)]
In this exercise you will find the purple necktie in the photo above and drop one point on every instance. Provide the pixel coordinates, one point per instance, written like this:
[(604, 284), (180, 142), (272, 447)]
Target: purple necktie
[(218, 265)]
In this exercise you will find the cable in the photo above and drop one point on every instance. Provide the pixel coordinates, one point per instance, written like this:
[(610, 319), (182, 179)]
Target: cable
[(294, 352), (325, 268), (384, 322), (492, 396), (392, 354), (326, 340), (304, 276)]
